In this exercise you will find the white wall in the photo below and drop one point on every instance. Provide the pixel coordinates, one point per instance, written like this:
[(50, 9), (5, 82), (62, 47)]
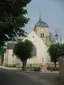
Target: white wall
[(41, 52), (5, 59), (61, 69), (41, 49), (10, 59)]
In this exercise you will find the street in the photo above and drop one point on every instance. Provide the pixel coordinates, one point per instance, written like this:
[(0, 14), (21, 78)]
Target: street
[(15, 77)]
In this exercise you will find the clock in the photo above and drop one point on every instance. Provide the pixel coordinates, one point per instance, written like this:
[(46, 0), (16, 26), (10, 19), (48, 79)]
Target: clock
[(42, 29)]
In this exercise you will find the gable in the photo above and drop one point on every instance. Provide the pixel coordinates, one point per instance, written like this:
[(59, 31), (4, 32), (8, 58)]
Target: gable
[(35, 37), (36, 40)]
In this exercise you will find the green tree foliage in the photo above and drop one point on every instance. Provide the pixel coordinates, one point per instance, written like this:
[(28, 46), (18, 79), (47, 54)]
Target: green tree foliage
[(55, 51), (2, 50), (23, 51), (12, 18)]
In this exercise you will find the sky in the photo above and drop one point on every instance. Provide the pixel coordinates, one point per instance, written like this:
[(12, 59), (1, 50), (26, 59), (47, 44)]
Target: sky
[(52, 12)]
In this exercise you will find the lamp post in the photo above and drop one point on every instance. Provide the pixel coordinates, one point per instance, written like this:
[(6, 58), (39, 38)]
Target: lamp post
[(58, 35)]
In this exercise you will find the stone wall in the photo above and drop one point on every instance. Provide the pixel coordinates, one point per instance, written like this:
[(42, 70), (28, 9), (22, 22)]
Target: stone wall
[(61, 69)]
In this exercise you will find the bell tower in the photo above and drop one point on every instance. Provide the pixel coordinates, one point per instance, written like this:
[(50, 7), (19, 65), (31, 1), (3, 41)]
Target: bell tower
[(41, 29)]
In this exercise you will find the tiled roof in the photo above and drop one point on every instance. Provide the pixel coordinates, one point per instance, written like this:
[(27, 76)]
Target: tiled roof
[(40, 23)]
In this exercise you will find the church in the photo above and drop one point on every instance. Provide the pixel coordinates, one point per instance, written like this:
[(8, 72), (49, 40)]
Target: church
[(40, 37)]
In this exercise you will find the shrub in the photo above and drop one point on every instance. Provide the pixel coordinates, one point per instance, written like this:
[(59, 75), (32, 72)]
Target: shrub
[(37, 69)]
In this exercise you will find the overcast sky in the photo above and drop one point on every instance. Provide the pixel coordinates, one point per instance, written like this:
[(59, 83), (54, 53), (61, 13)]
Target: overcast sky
[(52, 12)]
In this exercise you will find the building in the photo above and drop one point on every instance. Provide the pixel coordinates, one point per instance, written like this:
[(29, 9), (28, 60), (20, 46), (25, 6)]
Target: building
[(40, 38)]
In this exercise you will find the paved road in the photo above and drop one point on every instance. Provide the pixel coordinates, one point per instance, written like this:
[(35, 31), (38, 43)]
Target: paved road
[(8, 77), (14, 78), (47, 78)]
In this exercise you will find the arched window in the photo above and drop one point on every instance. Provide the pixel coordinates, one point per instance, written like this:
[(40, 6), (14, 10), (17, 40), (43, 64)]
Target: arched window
[(34, 51), (42, 34)]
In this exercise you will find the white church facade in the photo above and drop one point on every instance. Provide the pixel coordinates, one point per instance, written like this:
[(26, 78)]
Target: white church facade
[(40, 39)]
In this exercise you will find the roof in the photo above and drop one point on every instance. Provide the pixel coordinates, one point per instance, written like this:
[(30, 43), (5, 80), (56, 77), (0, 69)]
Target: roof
[(40, 23), (10, 45)]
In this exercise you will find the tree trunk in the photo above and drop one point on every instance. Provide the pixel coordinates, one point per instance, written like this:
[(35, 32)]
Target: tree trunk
[(2, 59), (55, 65), (24, 65)]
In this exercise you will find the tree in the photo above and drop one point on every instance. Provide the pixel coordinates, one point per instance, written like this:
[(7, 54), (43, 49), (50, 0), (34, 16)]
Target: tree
[(2, 51), (55, 51), (12, 19), (23, 51)]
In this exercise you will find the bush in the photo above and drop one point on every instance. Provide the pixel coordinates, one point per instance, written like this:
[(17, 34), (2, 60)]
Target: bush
[(37, 69), (50, 68)]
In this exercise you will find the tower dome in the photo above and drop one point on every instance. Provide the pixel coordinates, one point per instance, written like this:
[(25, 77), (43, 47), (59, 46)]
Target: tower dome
[(40, 23)]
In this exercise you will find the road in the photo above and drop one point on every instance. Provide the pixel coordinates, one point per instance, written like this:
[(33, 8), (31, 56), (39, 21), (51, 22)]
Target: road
[(13, 77)]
